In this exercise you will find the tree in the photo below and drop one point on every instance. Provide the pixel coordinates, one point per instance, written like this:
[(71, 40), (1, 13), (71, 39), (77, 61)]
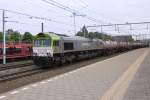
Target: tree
[(15, 36), (1, 36), (27, 37), (83, 32), (130, 39), (9, 31), (93, 35), (84, 29), (80, 33), (107, 37)]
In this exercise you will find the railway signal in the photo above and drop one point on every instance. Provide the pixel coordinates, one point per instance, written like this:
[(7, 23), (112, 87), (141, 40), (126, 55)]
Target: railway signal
[(42, 27)]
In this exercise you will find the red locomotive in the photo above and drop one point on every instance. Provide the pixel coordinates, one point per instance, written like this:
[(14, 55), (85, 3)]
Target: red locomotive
[(16, 50)]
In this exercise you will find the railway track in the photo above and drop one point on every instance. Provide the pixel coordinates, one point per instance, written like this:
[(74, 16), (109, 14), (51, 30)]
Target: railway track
[(13, 71), (7, 67), (19, 74)]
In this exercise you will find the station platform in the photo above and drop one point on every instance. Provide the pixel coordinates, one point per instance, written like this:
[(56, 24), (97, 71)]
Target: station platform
[(124, 77)]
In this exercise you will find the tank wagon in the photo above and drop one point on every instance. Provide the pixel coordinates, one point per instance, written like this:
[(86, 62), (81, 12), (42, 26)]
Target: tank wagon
[(50, 48)]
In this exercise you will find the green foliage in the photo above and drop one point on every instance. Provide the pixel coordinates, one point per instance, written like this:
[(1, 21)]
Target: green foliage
[(80, 33), (27, 37), (9, 31), (15, 36), (83, 32), (93, 35), (130, 39), (1, 36)]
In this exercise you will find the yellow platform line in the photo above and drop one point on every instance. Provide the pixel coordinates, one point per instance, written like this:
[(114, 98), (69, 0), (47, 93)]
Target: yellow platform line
[(118, 89)]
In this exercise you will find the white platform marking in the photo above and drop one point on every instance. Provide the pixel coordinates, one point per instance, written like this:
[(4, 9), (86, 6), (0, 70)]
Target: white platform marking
[(55, 78), (14, 92), (43, 82), (49, 80), (34, 85), (25, 88), (60, 76), (1, 97)]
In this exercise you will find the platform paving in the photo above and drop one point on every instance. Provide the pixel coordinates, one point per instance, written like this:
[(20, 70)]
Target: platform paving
[(89, 83), (139, 88)]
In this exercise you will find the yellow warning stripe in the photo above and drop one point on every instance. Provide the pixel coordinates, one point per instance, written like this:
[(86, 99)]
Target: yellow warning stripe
[(118, 89)]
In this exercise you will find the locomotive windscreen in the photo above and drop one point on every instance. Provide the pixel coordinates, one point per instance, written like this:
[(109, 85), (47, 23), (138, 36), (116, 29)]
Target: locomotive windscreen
[(45, 42), (37, 42)]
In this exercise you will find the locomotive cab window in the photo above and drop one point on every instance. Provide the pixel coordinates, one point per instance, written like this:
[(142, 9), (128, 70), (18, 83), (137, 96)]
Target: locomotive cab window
[(68, 46), (37, 42), (55, 43), (47, 42)]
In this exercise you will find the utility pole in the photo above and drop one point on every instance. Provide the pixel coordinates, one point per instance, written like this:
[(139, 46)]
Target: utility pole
[(101, 29), (42, 25), (147, 26), (4, 38), (74, 19)]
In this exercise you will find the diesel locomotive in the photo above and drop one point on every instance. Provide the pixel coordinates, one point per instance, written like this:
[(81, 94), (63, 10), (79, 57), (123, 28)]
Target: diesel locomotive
[(51, 48)]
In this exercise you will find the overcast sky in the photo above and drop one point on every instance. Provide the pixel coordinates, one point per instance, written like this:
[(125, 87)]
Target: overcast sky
[(107, 11)]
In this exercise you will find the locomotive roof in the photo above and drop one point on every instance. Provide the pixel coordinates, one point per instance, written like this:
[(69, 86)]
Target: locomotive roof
[(75, 38), (79, 38), (64, 37), (48, 35)]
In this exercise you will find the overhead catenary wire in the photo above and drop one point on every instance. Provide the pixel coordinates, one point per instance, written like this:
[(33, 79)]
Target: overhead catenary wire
[(68, 9), (136, 23), (37, 17), (81, 5), (54, 3), (83, 2), (35, 25), (43, 7)]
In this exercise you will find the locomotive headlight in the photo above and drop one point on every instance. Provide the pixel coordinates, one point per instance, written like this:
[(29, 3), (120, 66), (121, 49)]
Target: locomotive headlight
[(35, 51), (48, 54), (48, 51)]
